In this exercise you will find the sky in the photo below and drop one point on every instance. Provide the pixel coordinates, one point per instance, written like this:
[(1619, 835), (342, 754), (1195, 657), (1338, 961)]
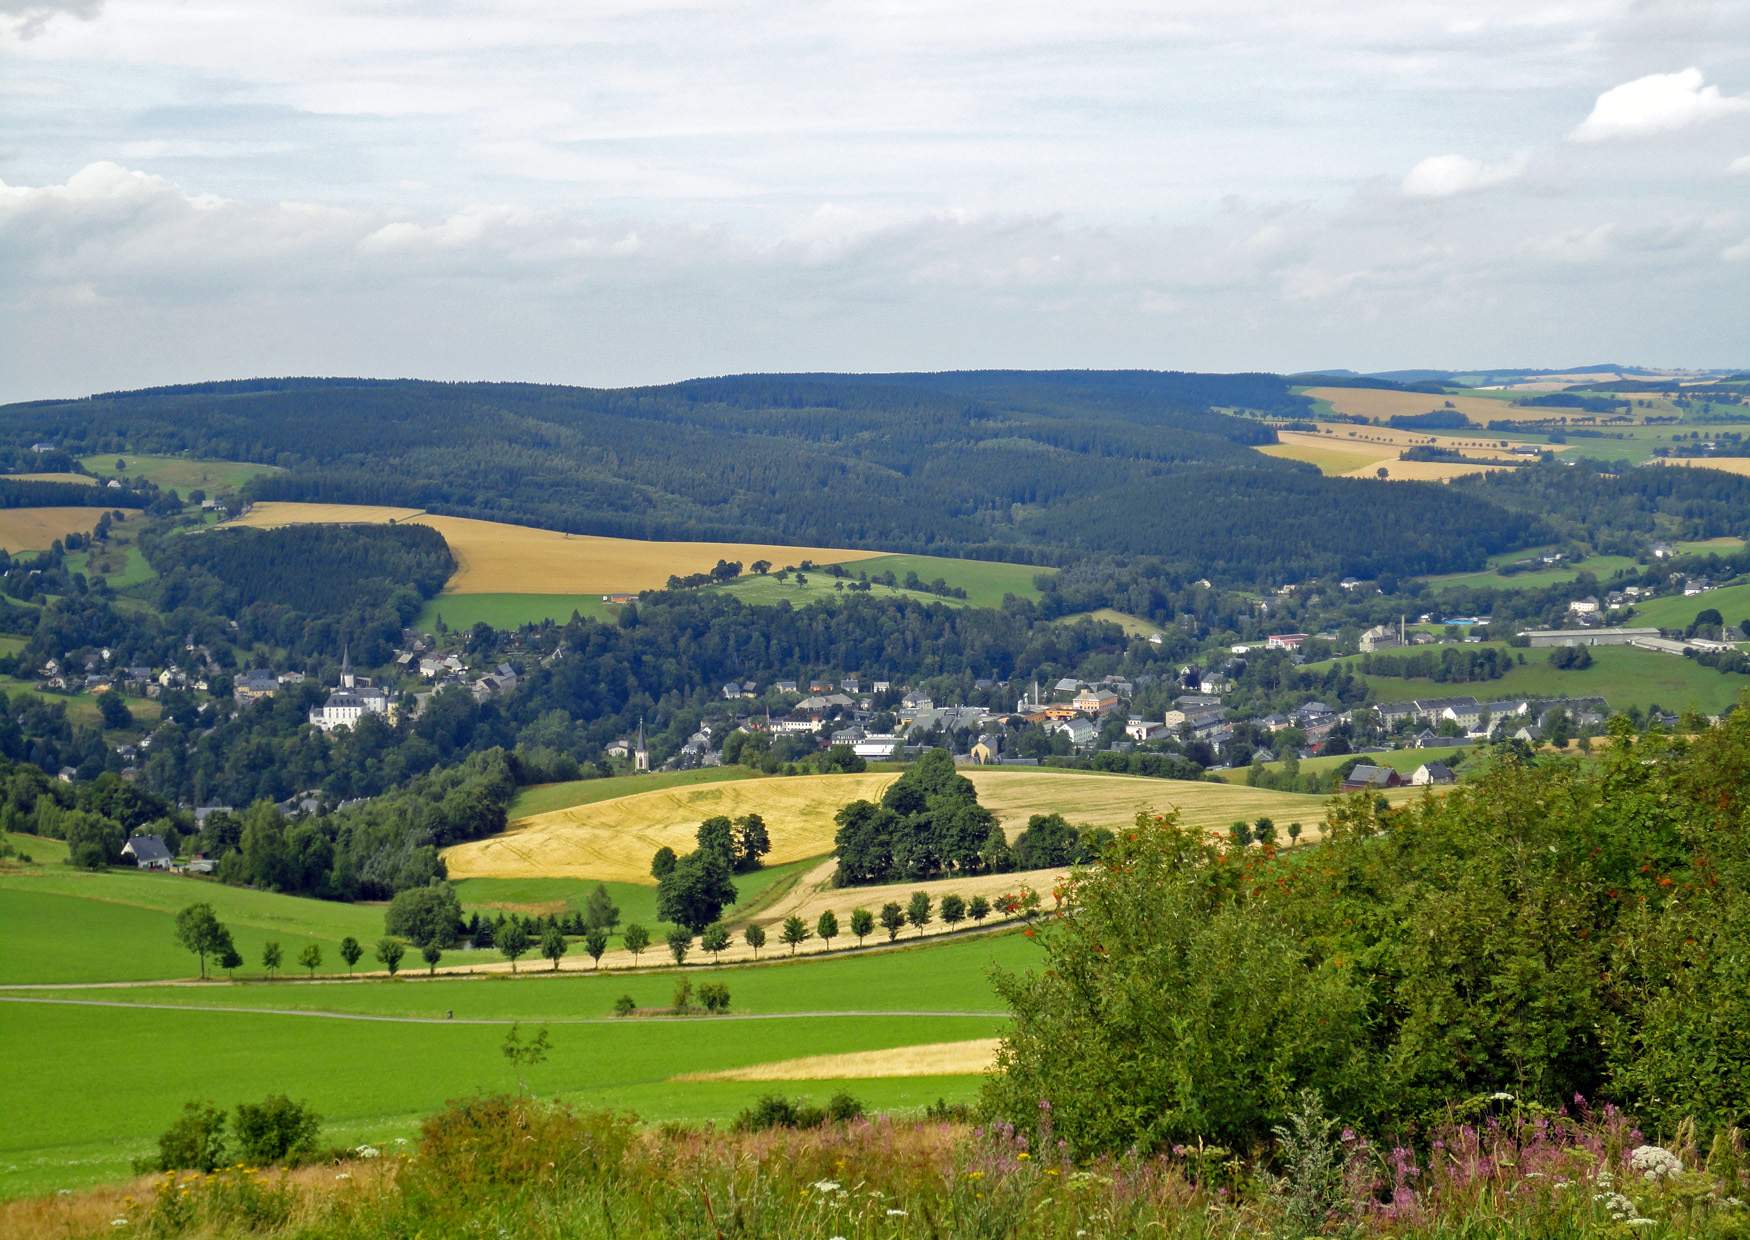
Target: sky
[(609, 193)]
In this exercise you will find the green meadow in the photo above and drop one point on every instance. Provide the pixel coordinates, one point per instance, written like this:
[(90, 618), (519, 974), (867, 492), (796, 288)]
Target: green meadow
[(65, 925), (1133, 626), (636, 901), (985, 581), (509, 611), (817, 587), (1601, 566), (373, 1080), (1622, 675), (1674, 611), (180, 473), (1401, 760)]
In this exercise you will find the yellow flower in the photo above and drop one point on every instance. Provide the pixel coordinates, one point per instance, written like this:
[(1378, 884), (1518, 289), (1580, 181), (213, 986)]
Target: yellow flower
[(1023, 1156)]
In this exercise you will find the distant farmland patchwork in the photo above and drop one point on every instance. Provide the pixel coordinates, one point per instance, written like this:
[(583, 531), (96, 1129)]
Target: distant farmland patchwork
[(516, 574), (1383, 403)]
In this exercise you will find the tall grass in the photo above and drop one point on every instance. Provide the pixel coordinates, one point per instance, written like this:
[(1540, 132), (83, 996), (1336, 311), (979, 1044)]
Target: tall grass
[(513, 1166)]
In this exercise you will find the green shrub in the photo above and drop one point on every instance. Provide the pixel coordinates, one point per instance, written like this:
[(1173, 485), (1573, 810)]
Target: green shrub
[(276, 1130), (477, 1146), (625, 1005), (195, 1142), (714, 996), (774, 1111)]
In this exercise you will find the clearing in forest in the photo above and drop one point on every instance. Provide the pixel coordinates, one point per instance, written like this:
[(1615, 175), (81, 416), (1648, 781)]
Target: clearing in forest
[(493, 557), (36, 529)]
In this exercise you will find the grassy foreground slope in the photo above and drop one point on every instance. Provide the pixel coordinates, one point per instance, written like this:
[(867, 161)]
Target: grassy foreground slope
[(373, 1080), (65, 925)]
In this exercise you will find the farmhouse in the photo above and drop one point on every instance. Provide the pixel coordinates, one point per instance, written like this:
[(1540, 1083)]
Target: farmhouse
[(148, 852), (1285, 641), (1365, 777), (1433, 773)]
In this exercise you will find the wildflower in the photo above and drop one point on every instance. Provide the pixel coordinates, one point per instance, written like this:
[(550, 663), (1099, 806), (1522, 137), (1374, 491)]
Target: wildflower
[(1654, 1162), (1023, 1156), (344, 1175), (825, 1186), (893, 1213), (118, 1222), (1500, 1095), (368, 1151)]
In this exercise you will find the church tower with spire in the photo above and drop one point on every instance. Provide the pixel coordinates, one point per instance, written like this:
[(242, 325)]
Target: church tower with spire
[(347, 679), (640, 755)]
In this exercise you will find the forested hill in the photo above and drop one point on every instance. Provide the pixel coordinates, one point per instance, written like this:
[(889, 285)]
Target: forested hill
[(1035, 466)]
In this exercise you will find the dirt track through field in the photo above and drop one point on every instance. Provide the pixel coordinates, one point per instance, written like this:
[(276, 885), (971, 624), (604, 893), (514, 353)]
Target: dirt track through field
[(374, 1018)]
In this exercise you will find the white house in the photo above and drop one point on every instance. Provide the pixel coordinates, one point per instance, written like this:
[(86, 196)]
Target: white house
[(148, 852)]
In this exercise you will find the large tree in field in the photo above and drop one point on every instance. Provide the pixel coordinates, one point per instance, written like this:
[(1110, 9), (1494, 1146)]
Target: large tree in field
[(425, 915), (514, 943), (599, 910), (636, 938), (715, 939), (199, 930), (795, 932), (390, 952), (553, 945), (862, 924), (696, 891)]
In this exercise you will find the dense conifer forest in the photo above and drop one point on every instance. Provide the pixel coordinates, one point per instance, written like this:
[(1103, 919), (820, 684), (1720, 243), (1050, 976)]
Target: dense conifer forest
[(1037, 467)]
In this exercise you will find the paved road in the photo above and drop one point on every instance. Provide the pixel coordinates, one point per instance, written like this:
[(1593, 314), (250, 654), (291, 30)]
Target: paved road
[(472, 1020)]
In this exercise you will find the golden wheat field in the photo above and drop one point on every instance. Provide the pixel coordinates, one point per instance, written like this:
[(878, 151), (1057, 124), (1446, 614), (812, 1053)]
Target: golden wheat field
[(973, 1057), (35, 529), (613, 840), (496, 558), (85, 480), (1727, 464), (1424, 471), (1382, 403), (814, 893)]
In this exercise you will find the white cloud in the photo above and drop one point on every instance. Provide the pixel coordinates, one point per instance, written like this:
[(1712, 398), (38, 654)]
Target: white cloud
[(1739, 253), (28, 18), (1739, 167), (1657, 103), (1441, 176)]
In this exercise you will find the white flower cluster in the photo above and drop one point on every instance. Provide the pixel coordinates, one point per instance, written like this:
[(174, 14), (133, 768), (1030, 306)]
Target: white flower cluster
[(368, 1151), (1654, 1162), (1620, 1208)]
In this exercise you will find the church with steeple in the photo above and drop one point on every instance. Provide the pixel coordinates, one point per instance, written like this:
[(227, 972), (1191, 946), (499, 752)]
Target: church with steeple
[(353, 700)]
